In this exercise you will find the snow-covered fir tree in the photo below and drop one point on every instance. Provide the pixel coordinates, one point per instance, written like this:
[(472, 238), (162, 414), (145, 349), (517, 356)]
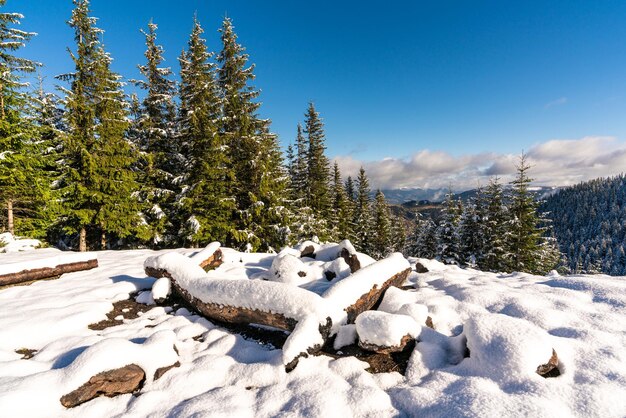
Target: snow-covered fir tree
[(318, 166), (207, 201), (97, 183), (48, 116), (380, 241), (495, 255), (19, 180), (527, 244), (341, 213), (471, 234), (362, 218), (261, 179), (448, 243), (160, 165), (422, 242)]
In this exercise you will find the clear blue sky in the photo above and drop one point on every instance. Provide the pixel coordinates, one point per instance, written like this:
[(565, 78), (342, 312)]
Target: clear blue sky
[(391, 78)]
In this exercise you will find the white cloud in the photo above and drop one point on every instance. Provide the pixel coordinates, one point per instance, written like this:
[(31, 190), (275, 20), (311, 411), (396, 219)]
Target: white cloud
[(558, 102), (558, 162)]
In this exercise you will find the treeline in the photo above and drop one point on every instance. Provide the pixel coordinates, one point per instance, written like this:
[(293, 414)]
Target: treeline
[(186, 162), (589, 221), (498, 230)]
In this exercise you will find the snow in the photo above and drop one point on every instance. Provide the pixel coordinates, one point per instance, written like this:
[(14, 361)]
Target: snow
[(384, 329), (509, 323), (346, 335), (11, 244), (161, 288), (206, 252)]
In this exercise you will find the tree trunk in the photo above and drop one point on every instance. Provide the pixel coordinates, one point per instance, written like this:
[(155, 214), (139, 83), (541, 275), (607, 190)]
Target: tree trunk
[(10, 225), (82, 242), (103, 240)]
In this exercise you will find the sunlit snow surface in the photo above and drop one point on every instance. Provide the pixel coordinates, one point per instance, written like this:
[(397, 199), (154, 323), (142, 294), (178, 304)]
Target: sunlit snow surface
[(510, 323)]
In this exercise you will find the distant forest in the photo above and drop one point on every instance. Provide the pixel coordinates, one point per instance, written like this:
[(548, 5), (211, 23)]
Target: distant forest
[(589, 222)]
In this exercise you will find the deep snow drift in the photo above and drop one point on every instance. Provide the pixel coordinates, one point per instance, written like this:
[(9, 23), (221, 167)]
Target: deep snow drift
[(509, 324)]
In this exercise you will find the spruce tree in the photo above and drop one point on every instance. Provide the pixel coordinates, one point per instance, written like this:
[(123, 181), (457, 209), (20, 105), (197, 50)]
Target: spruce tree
[(341, 209), (530, 251), (19, 175), (398, 234), (300, 169), (362, 214), (207, 201), (98, 183), (48, 117), (380, 242), (448, 233), (423, 239), (495, 255), (261, 179), (471, 231), (318, 175), (160, 164)]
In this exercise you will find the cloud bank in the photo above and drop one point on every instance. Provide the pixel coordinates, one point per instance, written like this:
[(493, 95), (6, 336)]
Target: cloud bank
[(558, 162)]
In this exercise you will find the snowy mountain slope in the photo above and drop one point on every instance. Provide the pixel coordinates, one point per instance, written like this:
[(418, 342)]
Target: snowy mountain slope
[(508, 323)]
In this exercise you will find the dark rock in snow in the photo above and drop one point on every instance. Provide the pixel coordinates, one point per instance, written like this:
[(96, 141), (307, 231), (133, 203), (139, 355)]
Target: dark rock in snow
[(419, 268)]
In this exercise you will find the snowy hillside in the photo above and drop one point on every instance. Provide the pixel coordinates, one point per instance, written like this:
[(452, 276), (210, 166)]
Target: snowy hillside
[(490, 334)]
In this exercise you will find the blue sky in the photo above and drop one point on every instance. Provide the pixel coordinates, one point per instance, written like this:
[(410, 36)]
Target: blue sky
[(393, 79)]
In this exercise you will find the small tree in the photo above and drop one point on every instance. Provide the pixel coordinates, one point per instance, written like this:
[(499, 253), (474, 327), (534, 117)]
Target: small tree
[(447, 233), (380, 242), (362, 214)]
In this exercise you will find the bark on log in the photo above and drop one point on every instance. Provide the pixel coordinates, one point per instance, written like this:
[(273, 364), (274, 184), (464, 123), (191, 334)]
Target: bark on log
[(384, 349), (110, 383), (214, 261), (371, 298), (46, 272)]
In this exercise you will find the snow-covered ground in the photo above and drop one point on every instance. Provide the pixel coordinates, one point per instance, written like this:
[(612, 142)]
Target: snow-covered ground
[(509, 324)]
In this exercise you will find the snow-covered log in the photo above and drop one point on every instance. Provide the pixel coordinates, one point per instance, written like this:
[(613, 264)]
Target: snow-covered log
[(16, 273), (309, 316)]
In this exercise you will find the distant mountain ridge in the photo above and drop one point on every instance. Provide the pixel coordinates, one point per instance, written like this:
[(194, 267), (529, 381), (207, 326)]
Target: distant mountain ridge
[(404, 195)]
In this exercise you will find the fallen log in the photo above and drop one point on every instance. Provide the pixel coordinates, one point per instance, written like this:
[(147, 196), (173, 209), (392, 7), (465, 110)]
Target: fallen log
[(110, 383), (279, 305), (28, 275), (368, 300)]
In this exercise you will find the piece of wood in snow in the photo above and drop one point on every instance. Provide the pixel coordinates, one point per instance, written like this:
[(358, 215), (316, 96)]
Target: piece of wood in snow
[(46, 272), (371, 298)]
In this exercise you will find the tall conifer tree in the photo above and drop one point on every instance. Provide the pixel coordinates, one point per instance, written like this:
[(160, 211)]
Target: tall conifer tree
[(362, 214), (380, 242), (341, 208), (161, 163), (318, 176), (495, 256), (261, 179), (97, 182), (208, 201), (19, 179)]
